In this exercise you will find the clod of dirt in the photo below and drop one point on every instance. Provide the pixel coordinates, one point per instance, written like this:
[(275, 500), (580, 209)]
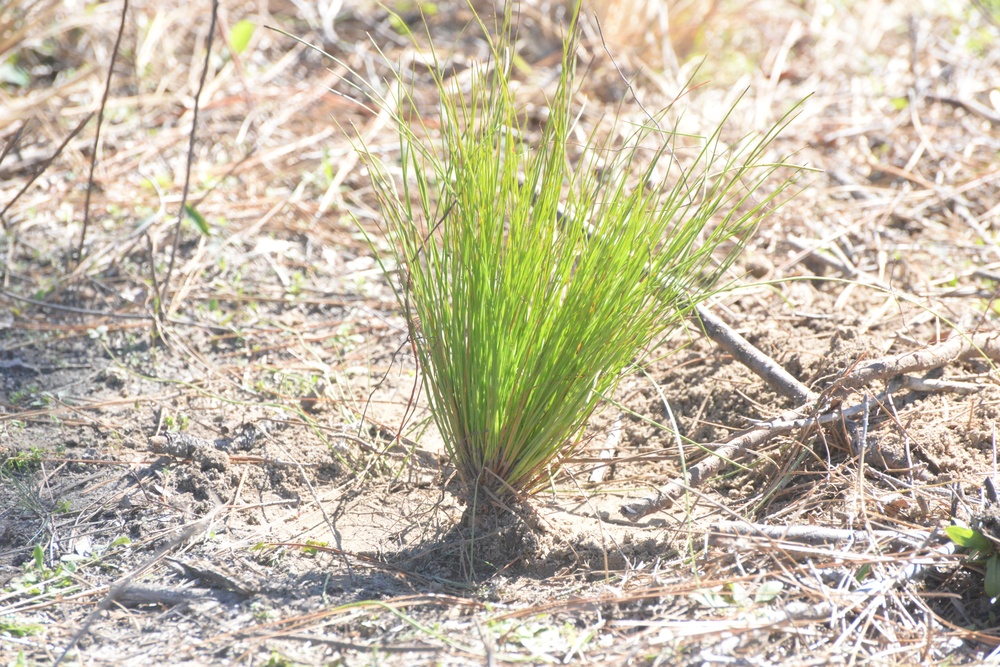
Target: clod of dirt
[(210, 470), (185, 445)]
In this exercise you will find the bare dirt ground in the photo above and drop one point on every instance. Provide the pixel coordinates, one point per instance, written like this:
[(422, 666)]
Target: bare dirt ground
[(249, 478)]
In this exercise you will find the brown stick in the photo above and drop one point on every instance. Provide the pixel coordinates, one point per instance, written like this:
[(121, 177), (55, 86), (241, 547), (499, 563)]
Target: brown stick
[(97, 135), (117, 588), (957, 348), (769, 370), (163, 307), (813, 534), (699, 473), (45, 165), (970, 106), (13, 142)]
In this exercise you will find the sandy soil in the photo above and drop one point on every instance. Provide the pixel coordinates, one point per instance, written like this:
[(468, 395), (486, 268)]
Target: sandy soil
[(252, 481)]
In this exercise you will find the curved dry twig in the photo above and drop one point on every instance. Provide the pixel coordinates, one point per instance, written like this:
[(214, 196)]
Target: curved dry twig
[(957, 348), (164, 311)]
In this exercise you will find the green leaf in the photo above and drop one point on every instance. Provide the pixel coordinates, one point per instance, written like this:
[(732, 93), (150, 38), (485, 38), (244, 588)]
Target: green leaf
[(992, 583), (738, 593), (17, 629), (960, 535), (768, 591), (200, 221), (310, 548), (13, 74), (969, 538), (239, 36)]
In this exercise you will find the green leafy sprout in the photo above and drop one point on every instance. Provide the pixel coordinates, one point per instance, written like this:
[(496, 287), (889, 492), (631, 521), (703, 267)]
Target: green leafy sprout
[(533, 275), (984, 551)]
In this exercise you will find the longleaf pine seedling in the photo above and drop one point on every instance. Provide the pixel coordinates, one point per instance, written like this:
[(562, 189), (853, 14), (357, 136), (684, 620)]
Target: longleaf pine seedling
[(532, 280)]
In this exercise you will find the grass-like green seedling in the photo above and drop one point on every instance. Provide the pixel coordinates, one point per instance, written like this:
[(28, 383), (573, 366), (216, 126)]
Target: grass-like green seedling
[(534, 273)]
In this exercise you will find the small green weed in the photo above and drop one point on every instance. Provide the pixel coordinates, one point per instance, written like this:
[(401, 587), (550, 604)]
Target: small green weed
[(278, 660), (30, 397), (18, 629), (983, 551), (39, 577), (23, 461), (262, 612), (176, 423), (311, 548)]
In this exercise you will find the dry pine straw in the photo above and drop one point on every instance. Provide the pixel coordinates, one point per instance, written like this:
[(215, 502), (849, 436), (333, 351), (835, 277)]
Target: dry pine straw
[(889, 255)]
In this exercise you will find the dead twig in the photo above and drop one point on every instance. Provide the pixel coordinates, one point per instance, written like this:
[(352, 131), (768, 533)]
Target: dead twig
[(190, 160), (813, 534), (769, 370), (929, 385), (13, 142), (45, 165), (119, 587), (956, 348), (97, 134), (137, 596), (725, 453), (959, 347), (970, 106)]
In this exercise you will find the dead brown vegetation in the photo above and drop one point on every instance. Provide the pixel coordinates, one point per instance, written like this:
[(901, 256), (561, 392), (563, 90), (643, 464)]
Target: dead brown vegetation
[(250, 423)]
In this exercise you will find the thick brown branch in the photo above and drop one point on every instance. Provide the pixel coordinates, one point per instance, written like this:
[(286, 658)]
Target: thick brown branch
[(768, 369), (956, 348)]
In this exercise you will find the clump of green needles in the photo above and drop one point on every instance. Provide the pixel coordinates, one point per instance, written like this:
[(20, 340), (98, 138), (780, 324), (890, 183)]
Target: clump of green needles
[(532, 280)]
